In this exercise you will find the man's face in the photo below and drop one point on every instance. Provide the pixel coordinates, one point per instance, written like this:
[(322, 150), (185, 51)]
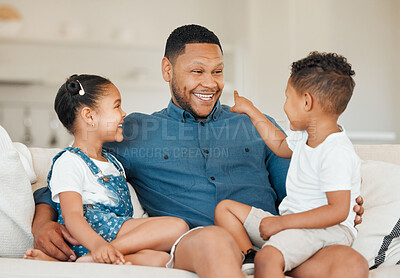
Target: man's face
[(197, 79)]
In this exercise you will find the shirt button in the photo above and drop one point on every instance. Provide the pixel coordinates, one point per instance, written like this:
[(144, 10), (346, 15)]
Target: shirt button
[(165, 156), (206, 151), (202, 124), (246, 150), (212, 178)]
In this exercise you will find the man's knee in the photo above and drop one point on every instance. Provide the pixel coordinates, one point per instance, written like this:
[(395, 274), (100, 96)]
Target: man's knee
[(211, 240)]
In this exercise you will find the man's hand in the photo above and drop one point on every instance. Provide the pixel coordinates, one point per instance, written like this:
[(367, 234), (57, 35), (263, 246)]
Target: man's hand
[(270, 226), (359, 210), (242, 105), (51, 237)]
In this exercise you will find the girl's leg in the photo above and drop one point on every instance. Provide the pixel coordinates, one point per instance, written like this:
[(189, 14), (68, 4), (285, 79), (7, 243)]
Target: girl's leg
[(155, 233), (36, 254), (148, 258), (269, 262), (231, 215)]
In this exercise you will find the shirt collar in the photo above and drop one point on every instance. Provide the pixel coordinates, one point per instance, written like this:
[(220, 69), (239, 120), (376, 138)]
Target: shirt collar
[(183, 116)]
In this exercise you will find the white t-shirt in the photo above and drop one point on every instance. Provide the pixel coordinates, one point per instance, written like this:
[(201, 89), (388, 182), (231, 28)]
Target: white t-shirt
[(331, 166), (71, 173)]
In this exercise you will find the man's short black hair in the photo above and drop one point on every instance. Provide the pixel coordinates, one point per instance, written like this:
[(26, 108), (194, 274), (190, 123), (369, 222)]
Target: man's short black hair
[(327, 77), (188, 34)]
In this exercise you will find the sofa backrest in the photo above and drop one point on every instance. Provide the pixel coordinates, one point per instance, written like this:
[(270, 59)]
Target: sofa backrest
[(42, 158)]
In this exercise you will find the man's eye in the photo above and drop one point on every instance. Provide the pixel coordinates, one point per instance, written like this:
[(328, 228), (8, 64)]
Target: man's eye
[(218, 72), (196, 71)]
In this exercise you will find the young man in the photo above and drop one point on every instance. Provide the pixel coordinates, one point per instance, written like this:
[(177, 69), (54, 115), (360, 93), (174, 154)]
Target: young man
[(185, 159)]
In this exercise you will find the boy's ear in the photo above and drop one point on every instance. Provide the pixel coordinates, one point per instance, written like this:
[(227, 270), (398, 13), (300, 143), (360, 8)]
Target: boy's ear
[(166, 69), (87, 115), (308, 102)]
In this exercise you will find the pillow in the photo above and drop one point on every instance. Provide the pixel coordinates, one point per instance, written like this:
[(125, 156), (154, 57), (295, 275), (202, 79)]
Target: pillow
[(378, 238), (16, 201), (26, 160)]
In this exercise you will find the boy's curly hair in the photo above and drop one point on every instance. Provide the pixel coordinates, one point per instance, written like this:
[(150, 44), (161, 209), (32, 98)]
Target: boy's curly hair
[(327, 77)]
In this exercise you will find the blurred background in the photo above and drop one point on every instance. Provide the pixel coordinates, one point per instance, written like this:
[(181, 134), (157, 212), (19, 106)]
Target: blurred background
[(42, 42)]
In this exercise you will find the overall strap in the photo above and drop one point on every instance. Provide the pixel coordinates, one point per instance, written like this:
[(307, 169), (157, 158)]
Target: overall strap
[(57, 156), (114, 161), (92, 166)]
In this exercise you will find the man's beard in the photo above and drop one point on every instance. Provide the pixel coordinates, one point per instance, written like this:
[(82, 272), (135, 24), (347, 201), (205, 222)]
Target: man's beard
[(185, 105)]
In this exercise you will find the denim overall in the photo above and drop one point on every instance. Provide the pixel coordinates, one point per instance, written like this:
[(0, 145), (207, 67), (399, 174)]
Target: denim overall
[(105, 220)]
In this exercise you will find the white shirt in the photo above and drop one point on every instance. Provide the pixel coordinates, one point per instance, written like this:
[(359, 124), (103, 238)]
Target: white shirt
[(71, 173), (331, 166)]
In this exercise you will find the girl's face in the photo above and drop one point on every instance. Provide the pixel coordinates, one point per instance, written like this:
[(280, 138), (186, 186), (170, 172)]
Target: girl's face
[(110, 116)]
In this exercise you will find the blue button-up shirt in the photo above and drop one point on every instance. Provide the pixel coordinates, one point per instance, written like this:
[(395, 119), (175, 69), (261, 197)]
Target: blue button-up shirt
[(183, 167)]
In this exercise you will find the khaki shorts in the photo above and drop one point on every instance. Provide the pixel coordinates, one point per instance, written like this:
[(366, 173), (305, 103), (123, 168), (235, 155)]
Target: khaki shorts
[(296, 245)]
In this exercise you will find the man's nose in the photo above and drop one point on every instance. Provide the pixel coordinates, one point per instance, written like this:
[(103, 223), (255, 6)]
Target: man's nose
[(209, 81)]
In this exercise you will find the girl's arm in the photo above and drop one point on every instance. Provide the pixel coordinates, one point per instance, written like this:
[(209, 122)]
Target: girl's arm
[(79, 228), (335, 212), (273, 137)]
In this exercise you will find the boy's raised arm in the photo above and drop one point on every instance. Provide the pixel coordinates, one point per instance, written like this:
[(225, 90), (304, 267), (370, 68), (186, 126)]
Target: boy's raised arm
[(272, 136)]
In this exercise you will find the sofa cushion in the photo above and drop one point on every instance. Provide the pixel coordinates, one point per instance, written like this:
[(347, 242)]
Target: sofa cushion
[(16, 201), (378, 238)]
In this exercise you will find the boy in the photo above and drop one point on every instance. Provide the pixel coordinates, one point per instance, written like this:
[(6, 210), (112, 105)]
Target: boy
[(323, 178)]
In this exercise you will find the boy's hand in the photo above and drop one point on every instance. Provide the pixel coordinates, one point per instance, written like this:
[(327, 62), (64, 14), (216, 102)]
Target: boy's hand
[(106, 253), (270, 226), (242, 104)]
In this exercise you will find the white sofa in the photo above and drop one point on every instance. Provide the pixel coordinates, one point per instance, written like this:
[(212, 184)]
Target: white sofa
[(373, 172)]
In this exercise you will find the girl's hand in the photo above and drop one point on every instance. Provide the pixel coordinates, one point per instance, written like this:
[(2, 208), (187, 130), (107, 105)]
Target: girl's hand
[(242, 105), (269, 226), (106, 253)]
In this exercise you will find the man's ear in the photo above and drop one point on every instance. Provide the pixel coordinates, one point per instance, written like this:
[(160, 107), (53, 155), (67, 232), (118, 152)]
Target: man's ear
[(308, 102), (166, 69), (87, 115)]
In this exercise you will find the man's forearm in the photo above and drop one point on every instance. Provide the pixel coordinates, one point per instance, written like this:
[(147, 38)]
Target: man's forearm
[(43, 213)]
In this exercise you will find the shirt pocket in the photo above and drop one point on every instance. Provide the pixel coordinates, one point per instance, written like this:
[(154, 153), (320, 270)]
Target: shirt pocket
[(246, 163), (169, 172)]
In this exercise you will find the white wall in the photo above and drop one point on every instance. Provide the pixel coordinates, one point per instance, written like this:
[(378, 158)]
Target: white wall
[(124, 40), (364, 31)]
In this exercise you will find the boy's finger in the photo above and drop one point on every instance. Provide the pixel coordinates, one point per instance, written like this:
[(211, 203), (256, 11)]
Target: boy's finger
[(235, 94)]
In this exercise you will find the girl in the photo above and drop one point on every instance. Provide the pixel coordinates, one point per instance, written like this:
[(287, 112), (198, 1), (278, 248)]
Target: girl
[(89, 186)]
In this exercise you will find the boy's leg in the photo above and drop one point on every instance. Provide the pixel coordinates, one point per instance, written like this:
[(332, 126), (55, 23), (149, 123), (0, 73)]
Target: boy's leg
[(209, 252), (158, 233), (269, 262), (333, 261), (231, 216)]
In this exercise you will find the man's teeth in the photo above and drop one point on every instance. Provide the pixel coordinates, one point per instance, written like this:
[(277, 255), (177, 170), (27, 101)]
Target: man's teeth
[(204, 97)]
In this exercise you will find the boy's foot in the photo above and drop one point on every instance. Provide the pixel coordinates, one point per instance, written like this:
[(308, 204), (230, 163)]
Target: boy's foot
[(248, 262), (36, 254)]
